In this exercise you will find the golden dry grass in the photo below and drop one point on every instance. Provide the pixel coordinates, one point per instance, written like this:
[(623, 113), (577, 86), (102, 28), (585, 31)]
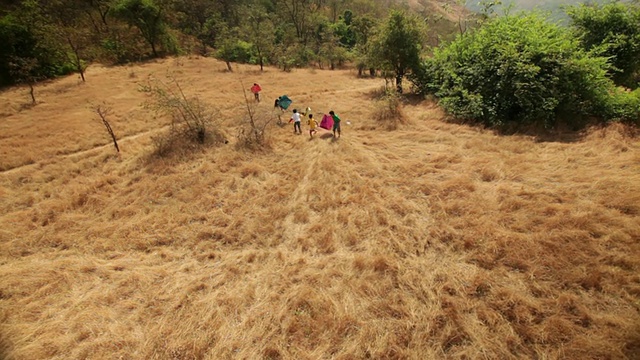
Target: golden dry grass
[(432, 241)]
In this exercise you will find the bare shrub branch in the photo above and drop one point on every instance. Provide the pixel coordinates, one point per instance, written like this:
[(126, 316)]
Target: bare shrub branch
[(193, 122), (103, 111), (253, 132)]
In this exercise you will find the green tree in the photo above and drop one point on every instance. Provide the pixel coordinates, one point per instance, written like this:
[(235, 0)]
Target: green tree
[(332, 52), (70, 25), (398, 45), (260, 31), (102, 8), (200, 19), (343, 30), (147, 16), (25, 70), (231, 48), (297, 13), (613, 29), (363, 29)]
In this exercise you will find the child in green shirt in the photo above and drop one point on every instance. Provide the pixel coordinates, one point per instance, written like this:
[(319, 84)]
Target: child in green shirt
[(336, 123)]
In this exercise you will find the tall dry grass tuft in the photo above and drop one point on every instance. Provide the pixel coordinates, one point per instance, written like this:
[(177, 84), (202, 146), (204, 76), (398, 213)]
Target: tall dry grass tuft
[(388, 110), (253, 133), (432, 241)]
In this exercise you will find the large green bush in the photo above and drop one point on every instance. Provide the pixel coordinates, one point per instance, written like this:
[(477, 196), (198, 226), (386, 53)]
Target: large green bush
[(516, 69), (233, 50)]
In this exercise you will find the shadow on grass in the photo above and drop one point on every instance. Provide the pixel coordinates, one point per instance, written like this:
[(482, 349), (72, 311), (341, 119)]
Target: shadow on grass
[(413, 99), (632, 347), (560, 132), (326, 135), (5, 347)]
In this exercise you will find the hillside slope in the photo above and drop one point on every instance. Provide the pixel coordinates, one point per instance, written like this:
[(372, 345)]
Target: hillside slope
[(435, 240)]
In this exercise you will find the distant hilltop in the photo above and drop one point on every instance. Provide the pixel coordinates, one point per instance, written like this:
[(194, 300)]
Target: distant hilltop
[(554, 6)]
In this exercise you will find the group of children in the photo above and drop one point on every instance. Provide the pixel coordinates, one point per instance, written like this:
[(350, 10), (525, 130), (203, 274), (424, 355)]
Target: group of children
[(296, 118)]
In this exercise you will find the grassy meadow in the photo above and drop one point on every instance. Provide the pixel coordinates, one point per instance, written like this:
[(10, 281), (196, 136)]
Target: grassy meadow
[(435, 240)]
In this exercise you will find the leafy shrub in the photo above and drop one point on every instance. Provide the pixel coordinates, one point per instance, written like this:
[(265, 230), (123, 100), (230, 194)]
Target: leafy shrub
[(623, 105), (519, 69), (613, 29), (233, 50), (21, 43)]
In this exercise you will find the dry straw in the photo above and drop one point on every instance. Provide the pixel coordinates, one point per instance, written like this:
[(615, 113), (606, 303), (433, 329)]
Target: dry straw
[(432, 241)]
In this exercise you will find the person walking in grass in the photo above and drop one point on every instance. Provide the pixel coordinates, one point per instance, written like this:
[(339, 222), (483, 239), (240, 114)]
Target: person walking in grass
[(255, 89), (336, 123), (312, 126), (277, 105), (296, 122)]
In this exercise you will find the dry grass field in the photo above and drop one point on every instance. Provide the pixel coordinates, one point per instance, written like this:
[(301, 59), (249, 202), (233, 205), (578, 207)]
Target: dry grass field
[(432, 241)]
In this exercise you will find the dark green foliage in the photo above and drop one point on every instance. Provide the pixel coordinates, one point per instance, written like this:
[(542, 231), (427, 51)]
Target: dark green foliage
[(120, 47), (344, 31), (15, 39), (516, 69), (145, 15), (232, 50), (613, 29), (623, 105), (22, 44), (199, 18)]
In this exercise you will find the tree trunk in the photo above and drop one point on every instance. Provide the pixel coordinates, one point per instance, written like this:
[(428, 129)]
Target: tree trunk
[(399, 83), (31, 92), (93, 22), (260, 57), (204, 48), (103, 115), (103, 16), (229, 66), (372, 72), (113, 136), (78, 62)]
